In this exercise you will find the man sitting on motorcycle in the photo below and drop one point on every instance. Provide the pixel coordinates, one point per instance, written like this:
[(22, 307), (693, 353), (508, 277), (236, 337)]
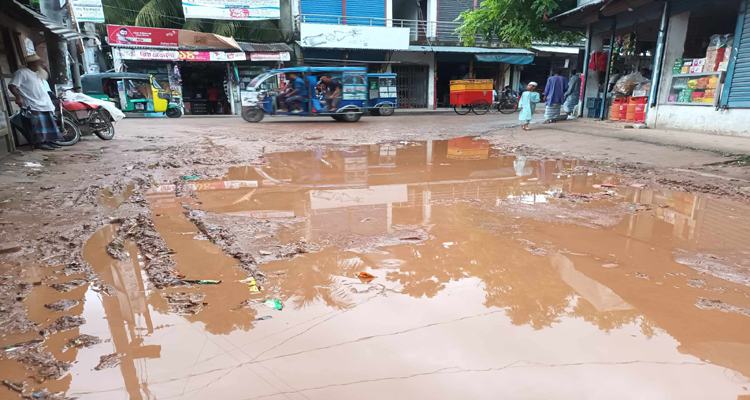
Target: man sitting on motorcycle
[(28, 87)]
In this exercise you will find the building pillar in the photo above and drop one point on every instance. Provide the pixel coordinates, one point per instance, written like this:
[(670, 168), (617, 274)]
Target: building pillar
[(674, 48), (592, 77), (432, 16), (431, 80)]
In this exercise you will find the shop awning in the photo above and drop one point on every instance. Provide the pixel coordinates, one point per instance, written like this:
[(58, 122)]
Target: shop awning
[(54, 27), (265, 47), (506, 58), (557, 49), (578, 10), (593, 10), (474, 50)]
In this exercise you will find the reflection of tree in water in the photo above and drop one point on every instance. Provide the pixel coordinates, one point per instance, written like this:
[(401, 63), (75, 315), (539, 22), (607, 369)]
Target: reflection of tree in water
[(608, 321), (316, 277)]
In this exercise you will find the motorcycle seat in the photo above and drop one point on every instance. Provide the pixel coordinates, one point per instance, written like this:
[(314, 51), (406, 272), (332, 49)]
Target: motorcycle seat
[(77, 105)]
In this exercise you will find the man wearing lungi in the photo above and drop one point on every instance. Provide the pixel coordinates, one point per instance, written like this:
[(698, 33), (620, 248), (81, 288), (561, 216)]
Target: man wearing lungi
[(30, 92)]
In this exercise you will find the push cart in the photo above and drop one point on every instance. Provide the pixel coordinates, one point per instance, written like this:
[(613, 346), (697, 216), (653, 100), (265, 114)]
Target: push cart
[(471, 95)]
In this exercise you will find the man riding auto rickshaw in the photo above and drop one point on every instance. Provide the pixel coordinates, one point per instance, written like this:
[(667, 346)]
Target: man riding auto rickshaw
[(310, 91)]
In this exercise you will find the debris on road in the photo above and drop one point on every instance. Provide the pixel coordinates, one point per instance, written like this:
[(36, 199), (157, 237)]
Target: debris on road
[(47, 367), (194, 177), (18, 387), (252, 285), (81, 341), (61, 305), (274, 304), (64, 323), (202, 281), (267, 317), (709, 304), (109, 361), (184, 303), (365, 277), (70, 285)]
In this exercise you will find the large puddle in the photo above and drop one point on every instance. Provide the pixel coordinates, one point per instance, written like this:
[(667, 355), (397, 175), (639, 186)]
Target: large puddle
[(492, 276)]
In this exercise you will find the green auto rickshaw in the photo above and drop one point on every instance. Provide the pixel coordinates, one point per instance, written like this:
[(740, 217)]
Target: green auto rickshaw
[(131, 92)]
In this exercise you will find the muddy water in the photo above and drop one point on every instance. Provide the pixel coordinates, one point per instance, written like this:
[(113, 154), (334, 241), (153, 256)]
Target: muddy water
[(531, 273)]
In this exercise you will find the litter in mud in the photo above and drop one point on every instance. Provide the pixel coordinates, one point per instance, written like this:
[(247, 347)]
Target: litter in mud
[(252, 285), (70, 285), (46, 395), (47, 367), (264, 318), (190, 177), (709, 304), (183, 303), (32, 165), (273, 304), (81, 341), (62, 305), (64, 323), (202, 281), (365, 277), (108, 361), (18, 387)]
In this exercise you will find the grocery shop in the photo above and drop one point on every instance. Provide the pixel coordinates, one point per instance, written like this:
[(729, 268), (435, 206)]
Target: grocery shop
[(681, 64), (206, 72)]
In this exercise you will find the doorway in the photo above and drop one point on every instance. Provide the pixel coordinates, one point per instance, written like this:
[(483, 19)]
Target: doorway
[(412, 85), (205, 88)]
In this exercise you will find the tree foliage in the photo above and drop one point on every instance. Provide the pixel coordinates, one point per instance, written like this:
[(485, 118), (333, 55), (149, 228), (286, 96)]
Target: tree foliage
[(168, 14), (516, 22)]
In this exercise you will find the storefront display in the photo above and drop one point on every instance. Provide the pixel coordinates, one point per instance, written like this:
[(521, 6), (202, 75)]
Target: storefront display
[(695, 89)]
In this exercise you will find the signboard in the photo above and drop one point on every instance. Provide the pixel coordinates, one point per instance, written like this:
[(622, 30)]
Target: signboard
[(201, 39), (280, 56), (242, 10), (175, 55), (88, 10), (141, 36), (353, 37), (327, 199)]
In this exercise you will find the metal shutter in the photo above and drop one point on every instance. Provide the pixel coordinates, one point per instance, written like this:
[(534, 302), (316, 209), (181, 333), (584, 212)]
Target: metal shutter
[(363, 10), (737, 92), (322, 7), (448, 11)]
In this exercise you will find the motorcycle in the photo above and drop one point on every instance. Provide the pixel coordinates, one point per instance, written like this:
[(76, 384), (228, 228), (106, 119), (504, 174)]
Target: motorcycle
[(76, 118)]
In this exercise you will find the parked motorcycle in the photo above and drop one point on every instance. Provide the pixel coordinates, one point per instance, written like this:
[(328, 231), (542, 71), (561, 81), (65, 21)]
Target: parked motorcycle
[(76, 118)]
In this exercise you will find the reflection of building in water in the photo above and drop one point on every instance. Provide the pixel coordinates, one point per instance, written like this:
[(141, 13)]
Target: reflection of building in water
[(702, 222), (128, 314)]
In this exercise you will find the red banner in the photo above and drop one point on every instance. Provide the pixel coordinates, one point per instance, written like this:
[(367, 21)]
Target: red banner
[(141, 36)]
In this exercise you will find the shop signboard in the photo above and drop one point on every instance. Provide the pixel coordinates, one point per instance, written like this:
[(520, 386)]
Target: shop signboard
[(88, 10), (119, 35), (280, 56), (353, 37), (175, 55), (148, 54), (242, 10)]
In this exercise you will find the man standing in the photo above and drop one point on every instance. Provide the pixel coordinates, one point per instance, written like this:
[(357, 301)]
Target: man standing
[(333, 97), (573, 94), (213, 99), (555, 94), (30, 93)]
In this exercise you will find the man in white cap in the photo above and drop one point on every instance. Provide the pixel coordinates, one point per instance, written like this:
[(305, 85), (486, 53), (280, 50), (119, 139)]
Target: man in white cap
[(31, 92)]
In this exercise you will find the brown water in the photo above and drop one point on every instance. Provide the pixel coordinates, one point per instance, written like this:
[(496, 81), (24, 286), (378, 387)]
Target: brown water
[(516, 294)]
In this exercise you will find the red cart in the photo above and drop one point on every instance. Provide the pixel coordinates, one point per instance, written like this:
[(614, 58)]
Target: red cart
[(471, 95)]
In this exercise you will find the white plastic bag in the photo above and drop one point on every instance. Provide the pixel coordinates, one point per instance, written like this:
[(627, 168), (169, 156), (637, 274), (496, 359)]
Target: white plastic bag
[(115, 112)]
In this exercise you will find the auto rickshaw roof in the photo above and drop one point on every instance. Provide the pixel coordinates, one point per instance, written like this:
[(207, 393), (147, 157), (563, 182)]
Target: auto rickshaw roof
[(321, 69), (387, 75)]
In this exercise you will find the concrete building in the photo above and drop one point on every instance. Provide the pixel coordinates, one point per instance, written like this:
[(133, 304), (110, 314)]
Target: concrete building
[(696, 55), (415, 39)]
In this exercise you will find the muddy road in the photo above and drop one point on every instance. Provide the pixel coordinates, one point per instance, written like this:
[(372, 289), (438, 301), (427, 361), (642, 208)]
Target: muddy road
[(430, 256)]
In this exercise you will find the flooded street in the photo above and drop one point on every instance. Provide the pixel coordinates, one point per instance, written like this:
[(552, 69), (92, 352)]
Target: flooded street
[(437, 269)]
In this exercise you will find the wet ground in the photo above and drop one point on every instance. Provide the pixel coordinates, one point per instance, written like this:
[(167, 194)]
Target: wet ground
[(409, 269)]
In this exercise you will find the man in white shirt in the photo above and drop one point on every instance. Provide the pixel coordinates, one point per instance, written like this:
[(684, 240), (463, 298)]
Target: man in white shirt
[(30, 92)]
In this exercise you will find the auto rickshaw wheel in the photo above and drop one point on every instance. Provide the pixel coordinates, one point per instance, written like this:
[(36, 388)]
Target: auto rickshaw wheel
[(386, 110), (337, 118), (252, 114), (375, 112), (351, 117), (174, 112)]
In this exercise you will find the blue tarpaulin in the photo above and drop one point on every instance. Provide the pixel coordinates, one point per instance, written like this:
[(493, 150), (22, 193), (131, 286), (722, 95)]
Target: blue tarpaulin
[(506, 58)]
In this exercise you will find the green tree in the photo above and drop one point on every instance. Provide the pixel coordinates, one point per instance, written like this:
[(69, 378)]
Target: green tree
[(168, 14), (516, 22)]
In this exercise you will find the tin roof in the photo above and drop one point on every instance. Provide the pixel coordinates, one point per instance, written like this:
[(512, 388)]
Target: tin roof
[(52, 26), (473, 50), (265, 47)]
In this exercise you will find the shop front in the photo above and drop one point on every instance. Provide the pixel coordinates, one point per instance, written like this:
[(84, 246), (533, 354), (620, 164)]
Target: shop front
[(680, 64), (206, 80)]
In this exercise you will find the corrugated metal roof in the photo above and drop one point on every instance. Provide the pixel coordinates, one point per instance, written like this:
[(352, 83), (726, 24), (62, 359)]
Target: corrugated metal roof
[(557, 49), (54, 27), (265, 47), (578, 9), (462, 49)]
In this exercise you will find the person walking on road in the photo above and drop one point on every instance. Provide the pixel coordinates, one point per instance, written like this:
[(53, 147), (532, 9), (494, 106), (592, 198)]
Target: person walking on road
[(527, 104), (554, 93), (573, 94), (31, 93)]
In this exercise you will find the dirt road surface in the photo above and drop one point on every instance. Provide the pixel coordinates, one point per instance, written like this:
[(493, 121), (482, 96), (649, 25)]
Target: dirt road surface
[(414, 256)]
